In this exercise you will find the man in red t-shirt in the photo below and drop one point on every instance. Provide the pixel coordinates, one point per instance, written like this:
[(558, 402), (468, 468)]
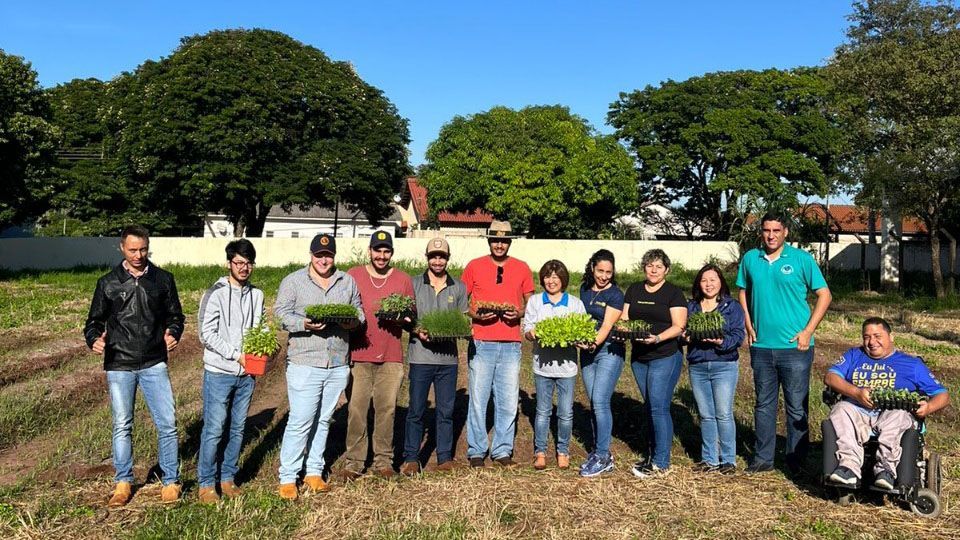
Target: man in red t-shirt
[(494, 355), (377, 357)]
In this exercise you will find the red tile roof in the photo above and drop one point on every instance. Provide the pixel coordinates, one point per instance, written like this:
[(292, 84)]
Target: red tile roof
[(418, 195), (849, 219)]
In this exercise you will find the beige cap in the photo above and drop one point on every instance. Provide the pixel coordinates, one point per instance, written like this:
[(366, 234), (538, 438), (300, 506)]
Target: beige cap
[(500, 229), (438, 245)]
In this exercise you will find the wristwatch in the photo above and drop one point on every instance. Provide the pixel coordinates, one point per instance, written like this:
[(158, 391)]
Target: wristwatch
[(658, 339)]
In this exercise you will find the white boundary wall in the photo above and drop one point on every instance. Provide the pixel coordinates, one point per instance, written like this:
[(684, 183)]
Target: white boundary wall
[(51, 253)]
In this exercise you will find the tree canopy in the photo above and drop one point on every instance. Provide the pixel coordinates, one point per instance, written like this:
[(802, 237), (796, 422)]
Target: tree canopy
[(896, 86), (715, 147), (27, 142), (237, 121), (542, 168)]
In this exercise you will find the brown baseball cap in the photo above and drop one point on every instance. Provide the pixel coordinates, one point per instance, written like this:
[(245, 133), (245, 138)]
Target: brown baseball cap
[(438, 245), (500, 229)]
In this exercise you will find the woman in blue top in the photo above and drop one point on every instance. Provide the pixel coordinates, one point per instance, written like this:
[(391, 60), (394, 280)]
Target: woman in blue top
[(714, 371), (601, 365)]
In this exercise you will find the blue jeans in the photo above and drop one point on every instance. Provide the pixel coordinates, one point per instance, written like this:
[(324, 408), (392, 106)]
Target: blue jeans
[(714, 384), (541, 425), (444, 381), (601, 370), (222, 393), (656, 380), (494, 366), (157, 392), (313, 393), (790, 369)]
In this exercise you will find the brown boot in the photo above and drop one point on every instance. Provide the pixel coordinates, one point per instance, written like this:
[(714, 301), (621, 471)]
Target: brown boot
[(386, 472), (208, 495), (170, 493), (121, 495), (288, 492), (315, 483), (410, 468), (563, 461), (540, 461), (448, 465), (229, 489)]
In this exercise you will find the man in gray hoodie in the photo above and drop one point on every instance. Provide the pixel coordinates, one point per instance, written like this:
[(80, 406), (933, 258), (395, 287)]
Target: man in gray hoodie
[(227, 310)]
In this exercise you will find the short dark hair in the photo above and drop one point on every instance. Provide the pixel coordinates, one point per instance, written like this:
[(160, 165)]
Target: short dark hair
[(555, 267), (697, 292), (134, 230), (772, 216), (870, 321), (654, 255), (599, 256), (243, 248)]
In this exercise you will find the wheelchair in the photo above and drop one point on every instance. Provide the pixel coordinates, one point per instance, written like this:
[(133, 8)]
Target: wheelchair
[(918, 473)]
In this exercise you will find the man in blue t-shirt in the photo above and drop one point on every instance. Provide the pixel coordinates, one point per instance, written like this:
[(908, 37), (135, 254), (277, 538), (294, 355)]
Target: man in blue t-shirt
[(859, 371), (774, 281)]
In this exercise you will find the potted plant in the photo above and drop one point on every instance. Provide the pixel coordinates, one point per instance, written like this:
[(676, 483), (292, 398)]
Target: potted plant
[(444, 324), (705, 325), (632, 329), (331, 313), (259, 344), (566, 330), (396, 307)]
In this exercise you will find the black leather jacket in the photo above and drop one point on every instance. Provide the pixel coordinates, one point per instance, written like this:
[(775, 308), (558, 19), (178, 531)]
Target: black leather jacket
[(135, 312)]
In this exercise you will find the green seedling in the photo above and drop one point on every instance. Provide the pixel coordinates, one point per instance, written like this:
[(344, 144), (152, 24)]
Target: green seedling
[(261, 340), (330, 312), (444, 324), (566, 330), (890, 399), (397, 303), (705, 325)]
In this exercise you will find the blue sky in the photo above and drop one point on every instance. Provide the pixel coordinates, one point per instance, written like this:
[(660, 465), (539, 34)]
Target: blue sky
[(438, 59)]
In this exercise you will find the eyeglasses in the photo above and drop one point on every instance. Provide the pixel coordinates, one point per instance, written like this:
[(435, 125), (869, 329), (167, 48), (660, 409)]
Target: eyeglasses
[(499, 275), (242, 264)]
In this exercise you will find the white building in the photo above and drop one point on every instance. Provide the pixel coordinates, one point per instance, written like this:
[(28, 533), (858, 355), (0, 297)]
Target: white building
[(307, 223)]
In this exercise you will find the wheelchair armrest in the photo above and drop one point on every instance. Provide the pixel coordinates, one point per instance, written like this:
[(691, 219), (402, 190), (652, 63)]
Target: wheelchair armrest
[(830, 396)]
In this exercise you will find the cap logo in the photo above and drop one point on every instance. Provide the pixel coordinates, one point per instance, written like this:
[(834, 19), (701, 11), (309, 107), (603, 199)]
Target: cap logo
[(324, 240), (501, 233), (437, 243), (381, 235)]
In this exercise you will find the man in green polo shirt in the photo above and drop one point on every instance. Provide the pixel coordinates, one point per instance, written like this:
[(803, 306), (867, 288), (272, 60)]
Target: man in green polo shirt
[(774, 281)]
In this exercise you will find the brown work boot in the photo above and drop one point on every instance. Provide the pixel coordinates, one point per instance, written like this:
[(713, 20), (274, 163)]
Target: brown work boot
[(563, 461), (348, 475), (540, 461), (386, 473), (170, 493), (229, 489), (410, 468), (505, 461), (208, 495), (315, 483), (448, 465), (121, 495), (288, 492)]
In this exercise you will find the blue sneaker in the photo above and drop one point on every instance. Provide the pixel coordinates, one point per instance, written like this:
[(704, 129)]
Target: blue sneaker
[(589, 462), (884, 480), (844, 476), (597, 467)]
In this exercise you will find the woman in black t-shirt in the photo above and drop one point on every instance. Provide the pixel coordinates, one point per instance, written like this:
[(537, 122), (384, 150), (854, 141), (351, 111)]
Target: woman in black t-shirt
[(656, 360)]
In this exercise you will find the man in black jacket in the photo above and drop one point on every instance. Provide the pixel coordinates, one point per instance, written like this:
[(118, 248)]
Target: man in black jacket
[(135, 319)]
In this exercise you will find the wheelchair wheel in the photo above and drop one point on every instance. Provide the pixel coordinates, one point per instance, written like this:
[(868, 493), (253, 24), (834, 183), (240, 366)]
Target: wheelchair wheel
[(846, 498), (927, 504), (933, 473)]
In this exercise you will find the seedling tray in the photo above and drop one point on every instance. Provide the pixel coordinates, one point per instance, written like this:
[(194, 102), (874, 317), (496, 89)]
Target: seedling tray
[(395, 315), (704, 335), (634, 335), (499, 312), (333, 319), (449, 338)]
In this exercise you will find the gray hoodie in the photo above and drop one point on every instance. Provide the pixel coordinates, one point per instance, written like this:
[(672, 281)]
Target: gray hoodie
[(225, 313)]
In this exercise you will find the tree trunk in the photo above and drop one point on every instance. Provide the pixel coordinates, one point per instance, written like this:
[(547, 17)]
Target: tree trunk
[(935, 263), (238, 228)]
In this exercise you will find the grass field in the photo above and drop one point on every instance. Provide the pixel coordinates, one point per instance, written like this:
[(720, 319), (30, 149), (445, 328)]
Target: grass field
[(56, 474)]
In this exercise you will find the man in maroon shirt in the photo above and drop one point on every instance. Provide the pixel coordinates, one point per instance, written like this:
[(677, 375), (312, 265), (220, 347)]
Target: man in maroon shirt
[(377, 358)]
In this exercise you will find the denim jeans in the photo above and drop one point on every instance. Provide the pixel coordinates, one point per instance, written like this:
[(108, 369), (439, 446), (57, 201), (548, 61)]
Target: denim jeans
[(157, 392), (541, 426), (656, 380), (313, 393), (222, 393), (714, 385), (601, 370), (790, 369), (494, 366), (444, 381)]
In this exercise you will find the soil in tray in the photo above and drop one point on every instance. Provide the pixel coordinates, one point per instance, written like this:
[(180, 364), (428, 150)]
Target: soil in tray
[(630, 334), (395, 315)]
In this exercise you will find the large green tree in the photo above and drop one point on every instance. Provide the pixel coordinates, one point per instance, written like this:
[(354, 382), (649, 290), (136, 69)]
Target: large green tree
[(237, 121), (896, 80), (27, 142), (89, 198), (541, 167), (717, 147)]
